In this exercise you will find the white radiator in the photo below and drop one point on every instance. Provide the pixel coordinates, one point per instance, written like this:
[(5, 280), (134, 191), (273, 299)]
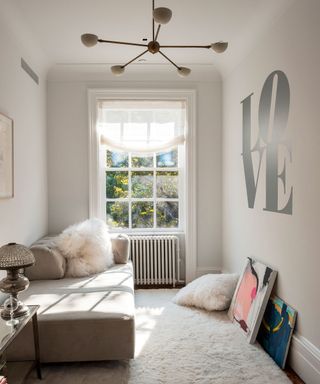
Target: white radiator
[(155, 259)]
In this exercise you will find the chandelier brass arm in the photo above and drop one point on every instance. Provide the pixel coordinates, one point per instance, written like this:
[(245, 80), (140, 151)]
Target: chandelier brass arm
[(166, 57), (157, 33), (135, 58), (186, 46), (121, 42), (182, 71)]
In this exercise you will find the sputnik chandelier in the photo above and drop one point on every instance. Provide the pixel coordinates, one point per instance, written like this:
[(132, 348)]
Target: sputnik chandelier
[(161, 16)]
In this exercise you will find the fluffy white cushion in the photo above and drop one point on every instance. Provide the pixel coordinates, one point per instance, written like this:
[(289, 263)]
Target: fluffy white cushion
[(212, 292), (87, 248)]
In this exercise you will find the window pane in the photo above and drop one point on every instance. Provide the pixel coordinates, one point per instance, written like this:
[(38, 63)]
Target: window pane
[(112, 130), (161, 132), (167, 184), (133, 132), (117, 159), (140, 116), (142, 214), (118, 214), (164, 116), (142, 184), (167, 159), (116, 184), (139, 161), (113, 116), (167, 214)]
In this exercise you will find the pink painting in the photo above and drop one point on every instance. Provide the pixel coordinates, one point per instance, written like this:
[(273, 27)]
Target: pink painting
[(251, 297)]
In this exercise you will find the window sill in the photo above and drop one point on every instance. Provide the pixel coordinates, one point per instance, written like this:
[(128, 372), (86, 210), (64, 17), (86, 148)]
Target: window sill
[(147, 233)]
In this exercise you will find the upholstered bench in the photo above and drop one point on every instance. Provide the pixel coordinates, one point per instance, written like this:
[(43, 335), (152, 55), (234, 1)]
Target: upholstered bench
[(80, 319)]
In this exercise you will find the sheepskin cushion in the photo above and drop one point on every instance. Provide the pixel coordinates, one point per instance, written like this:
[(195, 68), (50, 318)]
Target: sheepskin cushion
[(87, 248), (212, 292)]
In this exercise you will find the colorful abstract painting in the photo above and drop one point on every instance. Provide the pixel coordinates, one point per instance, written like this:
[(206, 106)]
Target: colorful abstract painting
[(251, 297), (276, 329)]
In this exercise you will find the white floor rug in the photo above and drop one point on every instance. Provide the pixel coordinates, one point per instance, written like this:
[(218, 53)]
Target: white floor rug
[(176, 345)]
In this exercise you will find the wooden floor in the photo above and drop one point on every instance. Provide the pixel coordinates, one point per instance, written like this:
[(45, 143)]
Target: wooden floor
[(17, 373), (293, 376)]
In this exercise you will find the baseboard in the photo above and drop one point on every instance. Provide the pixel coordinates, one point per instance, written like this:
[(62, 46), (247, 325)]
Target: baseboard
[(205, 270), (304, 359)]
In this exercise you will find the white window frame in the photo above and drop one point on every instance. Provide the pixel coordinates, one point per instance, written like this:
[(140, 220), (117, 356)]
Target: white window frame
[(97, 165)]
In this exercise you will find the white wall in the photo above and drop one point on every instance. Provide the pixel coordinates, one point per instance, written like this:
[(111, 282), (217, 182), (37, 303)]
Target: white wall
[(24, 218), (68, 151), (289, 243)]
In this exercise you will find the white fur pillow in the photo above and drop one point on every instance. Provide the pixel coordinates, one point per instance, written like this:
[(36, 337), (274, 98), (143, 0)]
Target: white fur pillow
[(212, 292), (87, 248)]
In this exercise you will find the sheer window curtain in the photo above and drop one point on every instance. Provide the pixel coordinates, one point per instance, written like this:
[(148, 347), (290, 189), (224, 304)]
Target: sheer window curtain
[(141, 126)]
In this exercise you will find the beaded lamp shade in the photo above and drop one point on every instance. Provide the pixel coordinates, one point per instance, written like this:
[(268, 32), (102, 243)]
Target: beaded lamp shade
[(13, 256)]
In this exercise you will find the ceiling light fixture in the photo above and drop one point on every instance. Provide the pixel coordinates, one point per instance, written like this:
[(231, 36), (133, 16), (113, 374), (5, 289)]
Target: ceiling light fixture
[(161, 16)]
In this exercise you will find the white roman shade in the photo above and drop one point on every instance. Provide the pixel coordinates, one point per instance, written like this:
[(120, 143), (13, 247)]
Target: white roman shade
[(141, 126)]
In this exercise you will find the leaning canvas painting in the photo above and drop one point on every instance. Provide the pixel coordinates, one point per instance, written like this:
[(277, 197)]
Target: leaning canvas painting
[(251, 297), (276, 329)]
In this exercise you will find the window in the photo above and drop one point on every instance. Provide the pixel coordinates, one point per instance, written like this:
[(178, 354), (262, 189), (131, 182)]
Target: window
[(186, 158), (144, 189)]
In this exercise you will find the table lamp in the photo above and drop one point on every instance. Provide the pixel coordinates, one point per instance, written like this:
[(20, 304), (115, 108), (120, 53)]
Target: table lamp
[(14, 257)]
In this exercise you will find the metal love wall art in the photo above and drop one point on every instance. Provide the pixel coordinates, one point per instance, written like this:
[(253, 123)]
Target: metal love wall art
[(269, 150)]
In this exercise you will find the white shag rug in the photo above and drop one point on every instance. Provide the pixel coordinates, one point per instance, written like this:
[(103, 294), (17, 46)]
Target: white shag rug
[(176, 345)]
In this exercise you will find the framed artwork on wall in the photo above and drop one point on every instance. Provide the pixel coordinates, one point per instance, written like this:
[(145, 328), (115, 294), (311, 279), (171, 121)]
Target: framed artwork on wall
[(6, 157), (251, 297)]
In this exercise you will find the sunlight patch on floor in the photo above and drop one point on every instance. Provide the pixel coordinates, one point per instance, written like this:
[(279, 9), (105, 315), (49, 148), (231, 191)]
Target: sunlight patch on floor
[(146, 320)]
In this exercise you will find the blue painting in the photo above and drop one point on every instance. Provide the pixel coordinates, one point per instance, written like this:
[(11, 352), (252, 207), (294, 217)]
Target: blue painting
[(276, 329)]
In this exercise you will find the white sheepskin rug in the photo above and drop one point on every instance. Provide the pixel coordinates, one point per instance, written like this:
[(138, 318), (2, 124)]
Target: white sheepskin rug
[(87, 247), (212, 292), (176, 345)]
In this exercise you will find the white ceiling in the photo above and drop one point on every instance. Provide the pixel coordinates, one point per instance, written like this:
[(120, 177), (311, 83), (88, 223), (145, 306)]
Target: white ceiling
[(57, 25)]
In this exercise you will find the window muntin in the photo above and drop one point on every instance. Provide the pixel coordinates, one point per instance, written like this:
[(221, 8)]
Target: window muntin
[(144, 194)]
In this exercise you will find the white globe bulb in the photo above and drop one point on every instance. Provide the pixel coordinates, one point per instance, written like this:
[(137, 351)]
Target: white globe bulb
[(117, 70), (184, 71), (89, 40), (220, 46), (162, 15)]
